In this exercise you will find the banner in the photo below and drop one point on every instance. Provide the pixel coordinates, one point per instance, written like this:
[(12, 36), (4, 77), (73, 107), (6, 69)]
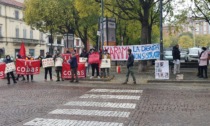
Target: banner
[(94, 58), (105, 63), (66, 71), (140, 52), (162, 69), (49, 62), (58, 61), (82, 60), (10, 67), (27, 67), (2, 70)]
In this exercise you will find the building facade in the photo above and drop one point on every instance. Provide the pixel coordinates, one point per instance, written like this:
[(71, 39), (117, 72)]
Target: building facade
[(14, 31)]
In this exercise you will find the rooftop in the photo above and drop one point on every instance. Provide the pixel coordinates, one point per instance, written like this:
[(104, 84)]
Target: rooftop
[(12, 3)]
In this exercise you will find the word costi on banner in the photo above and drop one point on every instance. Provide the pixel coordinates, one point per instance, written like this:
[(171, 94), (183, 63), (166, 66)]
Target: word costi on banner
[(140, 52)]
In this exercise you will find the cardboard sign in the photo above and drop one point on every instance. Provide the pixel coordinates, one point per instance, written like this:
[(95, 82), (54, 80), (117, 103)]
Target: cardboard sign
[(58, 62), (162, 69), (10, 67), (82, 60), (105, 63), (94, 58), (49, 62), (27, 67), (140, 52), (66, 71), (2, 70)]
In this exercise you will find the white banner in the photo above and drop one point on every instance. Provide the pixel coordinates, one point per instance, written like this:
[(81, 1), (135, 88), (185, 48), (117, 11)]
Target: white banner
[(105, 63), (140, 52), (58, 61), (49, 62), (10, 67), (82, 60), (162, 69)]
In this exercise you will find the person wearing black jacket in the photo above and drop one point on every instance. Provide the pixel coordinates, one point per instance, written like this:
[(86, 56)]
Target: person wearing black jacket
[(176, 58), (74, 67), (48, 69), (130, 63), (8, 60)]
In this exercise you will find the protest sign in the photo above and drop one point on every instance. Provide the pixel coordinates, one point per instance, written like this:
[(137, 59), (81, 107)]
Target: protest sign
[(162, 69), (82, 60), (49, 62), (27, 67), (105, 63), (58, 61), (94, 58), (66, 57), (10, 67), (140, 52), (2, 70), (66, 71)]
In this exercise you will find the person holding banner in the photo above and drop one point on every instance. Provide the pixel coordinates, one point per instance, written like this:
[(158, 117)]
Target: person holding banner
[(105, 56), (58, 66), (19, 57), (94, 60), (48, 69), (130, 63), (74, 67), (29, 57), (7, 61)]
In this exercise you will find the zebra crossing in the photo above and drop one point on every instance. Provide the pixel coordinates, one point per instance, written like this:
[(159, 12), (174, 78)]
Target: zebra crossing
[(110, 107)]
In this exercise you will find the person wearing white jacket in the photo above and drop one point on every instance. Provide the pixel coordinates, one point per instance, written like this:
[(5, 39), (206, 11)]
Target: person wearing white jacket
[(203, 62)]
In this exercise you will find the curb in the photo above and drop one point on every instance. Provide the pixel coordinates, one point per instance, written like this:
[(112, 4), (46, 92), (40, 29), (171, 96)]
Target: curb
[(178, 81)]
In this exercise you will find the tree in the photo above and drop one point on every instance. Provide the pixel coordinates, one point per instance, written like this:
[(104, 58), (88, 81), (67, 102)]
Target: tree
[(202, 10), (185, 42)]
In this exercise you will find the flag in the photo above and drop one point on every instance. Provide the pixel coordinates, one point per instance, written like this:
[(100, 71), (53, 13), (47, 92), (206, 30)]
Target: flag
[(22, 51)]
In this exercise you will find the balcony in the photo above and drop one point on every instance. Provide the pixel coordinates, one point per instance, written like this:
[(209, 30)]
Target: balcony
[(17, 41)]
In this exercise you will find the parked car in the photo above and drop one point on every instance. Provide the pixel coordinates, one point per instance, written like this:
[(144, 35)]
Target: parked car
[(184, 55), (194, 54), (168, 55)]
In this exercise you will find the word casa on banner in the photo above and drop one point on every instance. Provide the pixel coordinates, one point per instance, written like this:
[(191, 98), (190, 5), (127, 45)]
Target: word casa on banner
[(27, 67), (140, 52)]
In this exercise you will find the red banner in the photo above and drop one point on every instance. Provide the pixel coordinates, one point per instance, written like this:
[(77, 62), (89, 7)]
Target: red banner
[(94, 58), (66, 71), (27, 67), (2, 69), (67, 57)]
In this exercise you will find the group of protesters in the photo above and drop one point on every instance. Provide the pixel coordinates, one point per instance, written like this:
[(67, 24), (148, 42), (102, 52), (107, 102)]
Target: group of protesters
[(73, 61)]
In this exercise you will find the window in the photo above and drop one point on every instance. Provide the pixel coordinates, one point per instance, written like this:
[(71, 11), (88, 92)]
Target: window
[(59, 40), (24, 33), (31, 51), (17, 32), (31, 34), (16, 14), (50, 39), (41, 36)]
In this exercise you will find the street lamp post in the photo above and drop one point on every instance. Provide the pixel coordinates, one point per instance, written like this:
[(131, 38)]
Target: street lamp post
[(102, 17), (161, 29)]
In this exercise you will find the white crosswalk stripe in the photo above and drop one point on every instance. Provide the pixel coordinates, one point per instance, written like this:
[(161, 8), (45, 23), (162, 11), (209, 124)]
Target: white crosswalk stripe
[(128, 97), (100, 98), (60, 122), (102, 104), (116, 91)]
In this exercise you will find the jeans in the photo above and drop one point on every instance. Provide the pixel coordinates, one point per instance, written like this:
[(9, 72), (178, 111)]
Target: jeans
[(74, 73), (95, 67), (32, 77), (130, 71), (104, 72), (59, 72), (203, 69), (8, 77)]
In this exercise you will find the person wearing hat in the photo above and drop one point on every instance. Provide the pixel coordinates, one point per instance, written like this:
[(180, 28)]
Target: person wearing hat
[(203, 62)]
